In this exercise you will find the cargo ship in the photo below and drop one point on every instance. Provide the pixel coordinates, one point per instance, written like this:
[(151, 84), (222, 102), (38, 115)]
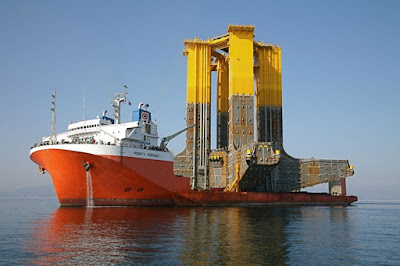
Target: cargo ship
[(104, 162)]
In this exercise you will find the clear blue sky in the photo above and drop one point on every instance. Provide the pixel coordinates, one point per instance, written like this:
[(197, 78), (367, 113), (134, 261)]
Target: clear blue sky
[(341, 74)]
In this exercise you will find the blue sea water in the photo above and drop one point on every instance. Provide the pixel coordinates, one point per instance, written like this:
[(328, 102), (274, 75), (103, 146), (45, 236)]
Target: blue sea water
[(37, 231)]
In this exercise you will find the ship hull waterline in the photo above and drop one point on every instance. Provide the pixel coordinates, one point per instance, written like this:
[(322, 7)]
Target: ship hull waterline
[(128, 181)]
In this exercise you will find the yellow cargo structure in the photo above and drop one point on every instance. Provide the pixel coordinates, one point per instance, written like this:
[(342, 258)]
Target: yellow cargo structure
[(250, 154)]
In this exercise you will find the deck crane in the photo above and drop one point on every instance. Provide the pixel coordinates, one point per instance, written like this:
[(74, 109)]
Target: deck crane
[(165, 140)]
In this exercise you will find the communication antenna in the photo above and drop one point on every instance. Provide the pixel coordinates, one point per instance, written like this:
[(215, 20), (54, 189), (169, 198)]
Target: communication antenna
[(84, 102), (53, 137)]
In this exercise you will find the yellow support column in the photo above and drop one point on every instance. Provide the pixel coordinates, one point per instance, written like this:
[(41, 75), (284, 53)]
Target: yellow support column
[(198, 109), (198, 71), (241, 91), (241, 59), (269, 94)]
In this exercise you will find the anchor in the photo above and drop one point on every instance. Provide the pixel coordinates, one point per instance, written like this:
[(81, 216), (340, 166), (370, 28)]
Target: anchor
[(86, 165), (42, 170)]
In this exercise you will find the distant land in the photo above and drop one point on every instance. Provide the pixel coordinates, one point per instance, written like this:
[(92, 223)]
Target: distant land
[(26, 192)]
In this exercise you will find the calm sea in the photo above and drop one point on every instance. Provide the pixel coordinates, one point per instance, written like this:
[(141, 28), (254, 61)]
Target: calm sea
[(37, 231)]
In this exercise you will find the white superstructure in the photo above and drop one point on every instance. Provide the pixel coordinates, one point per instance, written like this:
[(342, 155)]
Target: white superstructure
[(141, 133), (138, 134)]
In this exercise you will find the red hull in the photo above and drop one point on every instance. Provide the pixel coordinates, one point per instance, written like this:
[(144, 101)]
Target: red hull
[(128, 181), (132, 181)]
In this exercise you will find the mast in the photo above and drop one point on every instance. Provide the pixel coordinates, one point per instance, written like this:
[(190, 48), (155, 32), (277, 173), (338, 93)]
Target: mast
[(53, 137), (116, 104), (84, 103)]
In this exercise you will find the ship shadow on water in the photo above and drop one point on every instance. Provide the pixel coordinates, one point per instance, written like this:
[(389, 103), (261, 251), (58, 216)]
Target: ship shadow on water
[(162, 235)]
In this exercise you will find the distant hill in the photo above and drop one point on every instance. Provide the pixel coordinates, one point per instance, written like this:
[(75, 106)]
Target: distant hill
[(24, 192)]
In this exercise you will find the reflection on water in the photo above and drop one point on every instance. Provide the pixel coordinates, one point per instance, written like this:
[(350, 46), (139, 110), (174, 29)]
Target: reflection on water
[(363, 234), (235, 235), (161, 235)]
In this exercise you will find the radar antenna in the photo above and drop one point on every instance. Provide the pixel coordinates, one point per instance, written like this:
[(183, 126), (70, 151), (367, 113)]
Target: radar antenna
[(116, 104)]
